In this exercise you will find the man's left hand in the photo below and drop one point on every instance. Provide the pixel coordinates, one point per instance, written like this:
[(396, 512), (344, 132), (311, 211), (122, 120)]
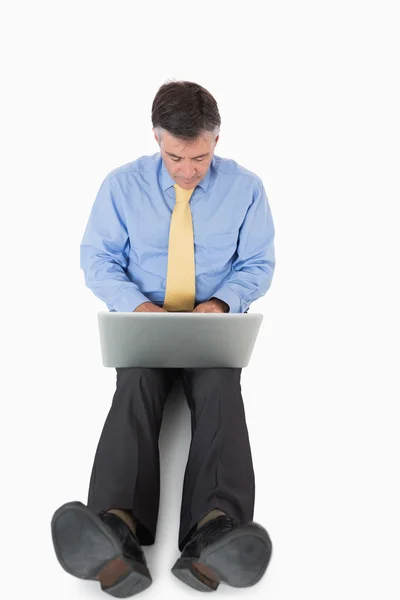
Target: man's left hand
[(214, 305)]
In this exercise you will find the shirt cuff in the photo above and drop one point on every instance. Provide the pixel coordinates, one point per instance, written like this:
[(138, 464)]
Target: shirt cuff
[(129, 301), (230, 297)]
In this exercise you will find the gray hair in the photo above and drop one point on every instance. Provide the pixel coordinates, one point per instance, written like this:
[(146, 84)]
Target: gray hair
[(160, 131)]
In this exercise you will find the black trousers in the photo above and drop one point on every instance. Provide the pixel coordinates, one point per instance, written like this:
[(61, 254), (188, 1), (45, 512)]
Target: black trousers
[(219, 470)]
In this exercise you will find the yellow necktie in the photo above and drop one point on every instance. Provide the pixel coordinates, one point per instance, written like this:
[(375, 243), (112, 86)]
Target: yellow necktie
[(180, 290)]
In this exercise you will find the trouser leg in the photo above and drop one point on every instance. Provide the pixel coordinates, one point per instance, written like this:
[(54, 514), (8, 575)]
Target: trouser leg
[(126, 468), (219, 471)]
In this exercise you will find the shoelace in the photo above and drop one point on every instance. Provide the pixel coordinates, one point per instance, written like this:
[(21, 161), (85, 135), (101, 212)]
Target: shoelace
[(125, 530), (216, 528)]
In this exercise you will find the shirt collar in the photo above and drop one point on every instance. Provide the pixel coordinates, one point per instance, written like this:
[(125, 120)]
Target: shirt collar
[(167, 181)]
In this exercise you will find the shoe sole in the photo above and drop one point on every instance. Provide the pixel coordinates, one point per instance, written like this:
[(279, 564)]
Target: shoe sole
[(239, 558), (88, 549)]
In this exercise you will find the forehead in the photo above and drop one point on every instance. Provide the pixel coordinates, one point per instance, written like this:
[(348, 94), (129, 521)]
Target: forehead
[(172, 145)]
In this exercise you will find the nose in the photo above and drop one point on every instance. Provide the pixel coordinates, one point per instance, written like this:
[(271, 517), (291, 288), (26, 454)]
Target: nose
[(188, 172)]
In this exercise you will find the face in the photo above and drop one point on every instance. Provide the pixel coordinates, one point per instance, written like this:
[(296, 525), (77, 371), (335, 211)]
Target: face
[(187, 162)]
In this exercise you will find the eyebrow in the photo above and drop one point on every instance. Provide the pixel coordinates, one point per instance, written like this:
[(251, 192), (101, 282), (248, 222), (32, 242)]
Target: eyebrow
[(176, 156)]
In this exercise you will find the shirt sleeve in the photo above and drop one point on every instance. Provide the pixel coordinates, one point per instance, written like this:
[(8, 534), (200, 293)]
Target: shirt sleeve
[(253, 269), (104, 252)]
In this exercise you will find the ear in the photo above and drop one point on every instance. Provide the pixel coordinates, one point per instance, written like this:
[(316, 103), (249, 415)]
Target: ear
[(155, 136), (216, 140)]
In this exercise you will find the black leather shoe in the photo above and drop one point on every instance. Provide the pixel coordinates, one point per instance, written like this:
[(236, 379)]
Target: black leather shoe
[(224, 550), (100, 547)]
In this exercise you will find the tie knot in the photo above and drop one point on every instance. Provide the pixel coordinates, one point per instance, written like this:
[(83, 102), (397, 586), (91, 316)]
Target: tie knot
[(182, 195)]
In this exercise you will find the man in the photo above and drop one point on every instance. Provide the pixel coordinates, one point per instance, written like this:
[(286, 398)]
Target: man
[(180, 230)]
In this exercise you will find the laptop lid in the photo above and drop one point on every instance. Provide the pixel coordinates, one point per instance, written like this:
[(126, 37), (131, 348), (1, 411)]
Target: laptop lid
[(177, 340)]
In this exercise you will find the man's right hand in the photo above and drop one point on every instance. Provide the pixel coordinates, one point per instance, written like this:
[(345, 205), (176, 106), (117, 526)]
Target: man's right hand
[(149, 307)]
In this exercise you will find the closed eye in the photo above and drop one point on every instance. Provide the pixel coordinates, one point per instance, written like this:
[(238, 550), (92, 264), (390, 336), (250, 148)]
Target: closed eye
[(196, 159)]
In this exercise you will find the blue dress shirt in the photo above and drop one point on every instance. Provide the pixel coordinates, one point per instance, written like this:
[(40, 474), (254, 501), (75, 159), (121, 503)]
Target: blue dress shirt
[(124, 250)]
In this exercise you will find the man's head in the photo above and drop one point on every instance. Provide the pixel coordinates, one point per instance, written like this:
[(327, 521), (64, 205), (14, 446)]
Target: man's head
[(186, 126)]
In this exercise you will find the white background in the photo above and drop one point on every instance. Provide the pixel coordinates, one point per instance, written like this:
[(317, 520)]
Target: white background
[(309, 98)]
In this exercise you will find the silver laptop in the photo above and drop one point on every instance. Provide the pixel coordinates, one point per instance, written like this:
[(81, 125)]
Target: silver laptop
[(177, 339)]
